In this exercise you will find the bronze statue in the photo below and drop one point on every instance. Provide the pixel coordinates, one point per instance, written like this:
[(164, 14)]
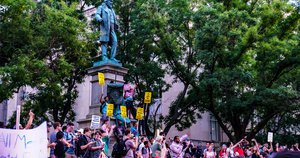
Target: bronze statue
[(108, 26)]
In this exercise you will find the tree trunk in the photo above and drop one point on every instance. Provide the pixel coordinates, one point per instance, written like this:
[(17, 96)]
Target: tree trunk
[(147, 129)]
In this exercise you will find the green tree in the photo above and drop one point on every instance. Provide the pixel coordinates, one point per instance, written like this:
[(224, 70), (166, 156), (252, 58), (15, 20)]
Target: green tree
[(53, 61), (138, 52), (65, 45), (243, 55), (18, 65)]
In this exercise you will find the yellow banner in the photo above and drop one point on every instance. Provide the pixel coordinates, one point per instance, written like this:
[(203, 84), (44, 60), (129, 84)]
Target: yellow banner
[(139, 113), (147, 97), (110, 110), (123, 111), (101, 78)]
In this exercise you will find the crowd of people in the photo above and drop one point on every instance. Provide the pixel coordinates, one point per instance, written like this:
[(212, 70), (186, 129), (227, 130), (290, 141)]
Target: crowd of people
[(65, 142), (123, 140)]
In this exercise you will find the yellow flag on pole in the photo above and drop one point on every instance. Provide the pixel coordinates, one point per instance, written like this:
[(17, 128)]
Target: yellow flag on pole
[(101, 78), (139, 113), (110, 110), (123, 111), (147, 97)]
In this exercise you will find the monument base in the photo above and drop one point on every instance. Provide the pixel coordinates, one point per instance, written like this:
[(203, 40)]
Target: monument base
[(107, 62), (114, 74)]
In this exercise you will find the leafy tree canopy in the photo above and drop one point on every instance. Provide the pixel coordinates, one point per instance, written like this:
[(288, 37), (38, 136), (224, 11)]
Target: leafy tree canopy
[(237, 60), (46, 47)]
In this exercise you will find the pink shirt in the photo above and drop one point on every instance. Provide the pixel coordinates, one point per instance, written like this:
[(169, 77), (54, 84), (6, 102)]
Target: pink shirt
[(128, 90), (105, 129)]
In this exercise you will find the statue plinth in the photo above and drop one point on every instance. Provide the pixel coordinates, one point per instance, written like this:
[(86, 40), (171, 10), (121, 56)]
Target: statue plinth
[(106, 62), (113, 73)]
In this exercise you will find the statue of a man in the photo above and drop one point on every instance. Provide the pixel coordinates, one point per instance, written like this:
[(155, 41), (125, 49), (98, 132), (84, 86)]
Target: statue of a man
[(108, 24)]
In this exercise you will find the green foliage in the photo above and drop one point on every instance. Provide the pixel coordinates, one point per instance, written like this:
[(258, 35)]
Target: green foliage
[(65, 45), (137, 49), (237, 61), (51, 56), (15, 36)]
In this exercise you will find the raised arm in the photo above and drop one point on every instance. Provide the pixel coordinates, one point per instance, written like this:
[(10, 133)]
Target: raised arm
[(111, 130), (271, 147), (29, 122), (277, 147), (237, 143), (256, 144), (101, 99)]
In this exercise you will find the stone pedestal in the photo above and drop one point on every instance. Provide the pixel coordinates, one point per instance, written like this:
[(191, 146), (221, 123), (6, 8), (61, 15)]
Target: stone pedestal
[(113, 74)]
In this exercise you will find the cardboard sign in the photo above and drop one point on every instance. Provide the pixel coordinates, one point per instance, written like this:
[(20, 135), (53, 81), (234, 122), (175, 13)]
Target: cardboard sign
[(123, 111), (110, 110), (101, 78), (270, 136), (147, 97), (95, 122), (30, 143), (139, 113)]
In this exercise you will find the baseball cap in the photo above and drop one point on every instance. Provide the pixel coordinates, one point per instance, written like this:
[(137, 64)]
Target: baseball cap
[(49, 124)]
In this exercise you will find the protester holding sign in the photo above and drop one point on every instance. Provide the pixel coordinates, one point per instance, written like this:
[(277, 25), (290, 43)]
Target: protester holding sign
[(103, 106), (29, 122)]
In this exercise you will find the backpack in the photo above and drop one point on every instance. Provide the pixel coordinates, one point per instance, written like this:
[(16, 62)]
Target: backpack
[(81, 141), (198, 152), (59, 149), (119, 149), (168, 154)]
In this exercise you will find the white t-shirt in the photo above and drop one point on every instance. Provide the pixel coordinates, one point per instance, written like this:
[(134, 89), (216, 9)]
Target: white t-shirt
[(230, 151), (210, 154), (176, 150)]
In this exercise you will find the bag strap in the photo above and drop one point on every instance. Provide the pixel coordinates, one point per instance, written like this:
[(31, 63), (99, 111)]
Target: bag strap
[(125, 145)]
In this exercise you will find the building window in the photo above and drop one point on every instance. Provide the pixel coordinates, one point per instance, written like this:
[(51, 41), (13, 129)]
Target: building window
[(3, 112), (214, 129)]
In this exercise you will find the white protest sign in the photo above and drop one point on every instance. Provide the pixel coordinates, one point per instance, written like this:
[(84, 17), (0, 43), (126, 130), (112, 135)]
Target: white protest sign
[(30, 143), (270, 136), (95, 122)]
